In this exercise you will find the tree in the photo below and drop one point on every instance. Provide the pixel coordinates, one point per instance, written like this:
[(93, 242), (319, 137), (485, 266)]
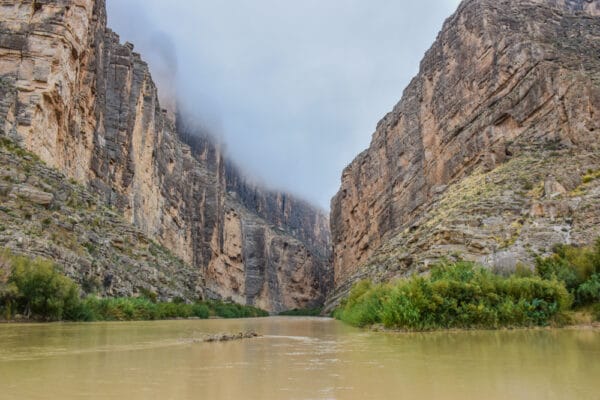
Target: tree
[(8, 291), (43, 292)]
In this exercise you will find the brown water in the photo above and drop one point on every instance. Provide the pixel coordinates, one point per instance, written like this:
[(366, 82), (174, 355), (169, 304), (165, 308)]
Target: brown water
[(298, 358)]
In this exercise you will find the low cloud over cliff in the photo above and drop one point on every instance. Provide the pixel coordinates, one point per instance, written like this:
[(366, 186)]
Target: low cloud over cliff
[(294, 90)]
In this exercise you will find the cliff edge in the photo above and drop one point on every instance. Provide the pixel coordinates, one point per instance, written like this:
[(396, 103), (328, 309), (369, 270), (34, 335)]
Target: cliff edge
[(491, 155), (86, 105)]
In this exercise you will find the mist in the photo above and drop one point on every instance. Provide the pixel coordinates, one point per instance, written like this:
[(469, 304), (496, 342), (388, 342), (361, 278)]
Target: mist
[(293, 90)]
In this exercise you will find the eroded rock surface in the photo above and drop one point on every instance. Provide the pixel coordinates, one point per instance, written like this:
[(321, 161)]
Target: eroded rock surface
[(86, 105), (43, 214), (492, 153)]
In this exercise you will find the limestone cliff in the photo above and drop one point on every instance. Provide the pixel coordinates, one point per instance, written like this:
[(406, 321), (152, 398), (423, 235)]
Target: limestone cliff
[(491, 154), (87, 105), (44, 214)]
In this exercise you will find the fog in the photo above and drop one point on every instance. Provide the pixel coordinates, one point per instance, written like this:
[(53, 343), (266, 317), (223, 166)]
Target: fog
[(294, 90)]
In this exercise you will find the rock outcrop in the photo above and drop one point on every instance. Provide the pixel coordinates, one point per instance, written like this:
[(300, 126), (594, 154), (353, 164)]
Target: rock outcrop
[(61, 220), (492, 154), (86, 105)]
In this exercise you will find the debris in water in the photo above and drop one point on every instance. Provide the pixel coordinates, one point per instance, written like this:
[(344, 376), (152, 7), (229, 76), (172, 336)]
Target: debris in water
[(225, 337)]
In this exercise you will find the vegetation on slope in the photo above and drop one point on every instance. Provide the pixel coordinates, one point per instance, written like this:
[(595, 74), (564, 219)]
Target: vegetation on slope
[(36, 289), (577, 268), (42, 213), (143, 309), (464, 295)]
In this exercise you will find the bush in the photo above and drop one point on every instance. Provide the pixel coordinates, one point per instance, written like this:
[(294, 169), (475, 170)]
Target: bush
[(596, 312), (8, 291), (363, 306), (8, 296), (460, 295), (577, 267), (589, 291), (143, 309), (233, 310), (42, 291), (200, 311), (556, 267), (37, 289), (523, 271), (173, 310)]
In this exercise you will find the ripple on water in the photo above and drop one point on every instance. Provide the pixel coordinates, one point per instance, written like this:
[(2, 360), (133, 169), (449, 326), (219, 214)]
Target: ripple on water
[(297, 359)]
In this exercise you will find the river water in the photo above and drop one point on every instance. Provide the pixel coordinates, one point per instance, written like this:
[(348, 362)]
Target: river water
[(297, 358)]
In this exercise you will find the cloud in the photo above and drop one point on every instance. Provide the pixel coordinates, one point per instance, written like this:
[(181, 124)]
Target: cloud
[(294, 89), (157, 48)]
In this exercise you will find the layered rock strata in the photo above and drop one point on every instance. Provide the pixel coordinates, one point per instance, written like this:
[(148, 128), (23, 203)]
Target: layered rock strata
[(44, 214), (491, 154), (86, 105)]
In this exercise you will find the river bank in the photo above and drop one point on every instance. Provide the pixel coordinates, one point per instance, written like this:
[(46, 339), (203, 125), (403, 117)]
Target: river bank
[(463, 295), (93, 309), (594, 326)]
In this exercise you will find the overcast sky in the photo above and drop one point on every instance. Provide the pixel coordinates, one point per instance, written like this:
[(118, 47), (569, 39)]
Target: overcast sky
[(294, 89)]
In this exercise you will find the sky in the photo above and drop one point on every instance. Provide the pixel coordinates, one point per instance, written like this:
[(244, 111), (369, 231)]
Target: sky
[(293, 89)]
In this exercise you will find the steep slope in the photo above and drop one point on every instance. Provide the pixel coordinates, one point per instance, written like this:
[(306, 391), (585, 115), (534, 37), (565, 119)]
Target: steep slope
[(492, 153), (87, 105), (44, 214)]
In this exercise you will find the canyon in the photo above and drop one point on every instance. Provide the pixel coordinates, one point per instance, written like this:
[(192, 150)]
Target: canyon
[(458, 243), (86, 105), (490, 156)]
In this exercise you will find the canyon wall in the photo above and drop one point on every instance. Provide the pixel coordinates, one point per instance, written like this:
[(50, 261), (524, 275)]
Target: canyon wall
[(492, 153), (86, 105)]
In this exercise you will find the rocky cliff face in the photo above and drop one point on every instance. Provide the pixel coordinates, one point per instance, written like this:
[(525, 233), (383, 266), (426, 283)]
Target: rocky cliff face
[(87, 105), (492, 153), (44, 214)]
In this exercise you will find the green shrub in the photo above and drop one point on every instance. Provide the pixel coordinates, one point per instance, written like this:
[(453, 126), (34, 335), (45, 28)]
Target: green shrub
[(83, 311), (596, 312), (200, 311), (173, 310), (233, 310), (8, 291), (523, 271), (460, 295), (8, 296), (577, 267), (362, 307), (37, 289), (556, 267), (223, 310), (43, 292), (149, 294), (589, 291), (142, 309)]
